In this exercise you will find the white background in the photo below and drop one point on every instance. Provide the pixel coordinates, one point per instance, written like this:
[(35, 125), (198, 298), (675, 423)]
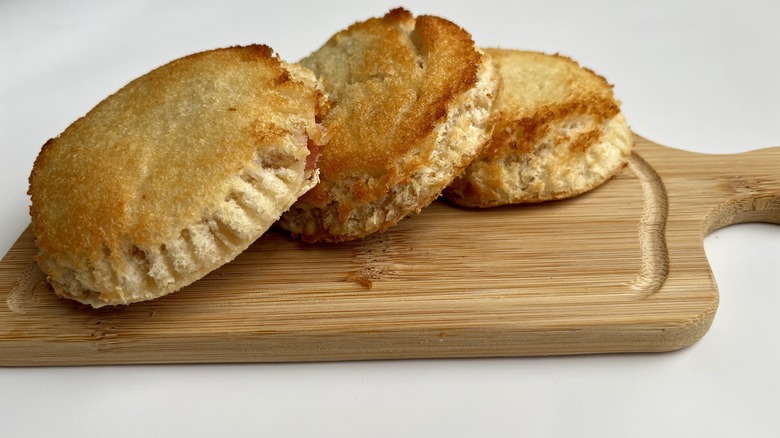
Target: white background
[(697, 75)]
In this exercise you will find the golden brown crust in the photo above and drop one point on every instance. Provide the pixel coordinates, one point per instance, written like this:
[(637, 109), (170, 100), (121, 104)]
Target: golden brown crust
[(140, 115), (546, 100), (389, 107), (165, 153), (391, 82), (513, 134), (520, 122)]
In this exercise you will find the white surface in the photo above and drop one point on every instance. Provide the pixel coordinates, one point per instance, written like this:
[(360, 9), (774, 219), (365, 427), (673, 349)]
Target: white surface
[(702, 76)]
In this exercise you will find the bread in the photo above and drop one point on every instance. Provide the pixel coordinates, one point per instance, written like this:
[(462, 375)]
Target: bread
[(558, 133), (409, 104), (173, 175)]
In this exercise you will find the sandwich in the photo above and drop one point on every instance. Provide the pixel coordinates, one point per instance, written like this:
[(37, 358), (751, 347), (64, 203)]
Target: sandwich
[(558, 132), (174, 175), (409, 100)]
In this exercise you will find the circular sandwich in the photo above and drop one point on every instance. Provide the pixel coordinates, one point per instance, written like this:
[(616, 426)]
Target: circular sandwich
[(558, 132), (173, 175), (409, 100)]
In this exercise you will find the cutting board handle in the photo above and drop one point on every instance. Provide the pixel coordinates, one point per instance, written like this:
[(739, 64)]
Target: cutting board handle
[(721, 189), (750, 184)]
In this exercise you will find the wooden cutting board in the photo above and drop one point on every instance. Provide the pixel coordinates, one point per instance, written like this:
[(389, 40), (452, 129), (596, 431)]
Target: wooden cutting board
[(619, 269)]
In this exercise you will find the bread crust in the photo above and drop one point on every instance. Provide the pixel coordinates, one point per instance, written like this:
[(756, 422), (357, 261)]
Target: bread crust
[(395, 84), (173, 175), (558, 132)]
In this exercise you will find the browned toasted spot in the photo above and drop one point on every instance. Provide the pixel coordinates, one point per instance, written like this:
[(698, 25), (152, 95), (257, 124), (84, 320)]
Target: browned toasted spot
[(283, 77), (513, 134), (254, 51), (397, 14), (585, 140)]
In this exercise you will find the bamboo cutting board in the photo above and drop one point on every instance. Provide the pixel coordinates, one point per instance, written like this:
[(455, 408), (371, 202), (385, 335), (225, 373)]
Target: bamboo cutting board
[(619, 269)]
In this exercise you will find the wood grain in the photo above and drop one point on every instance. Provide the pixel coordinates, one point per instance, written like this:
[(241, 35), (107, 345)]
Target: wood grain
[(619, 269)]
